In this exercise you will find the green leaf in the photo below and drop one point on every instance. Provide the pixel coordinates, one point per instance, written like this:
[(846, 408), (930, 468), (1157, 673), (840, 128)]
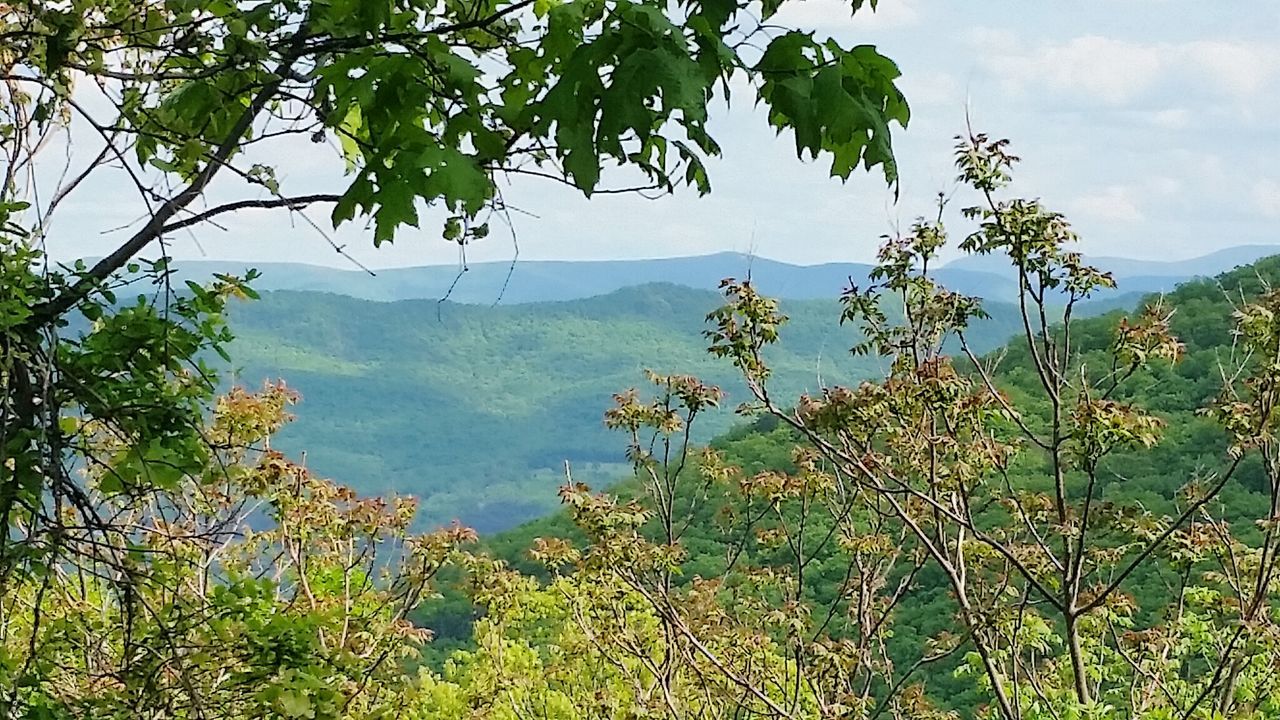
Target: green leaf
[(395, 208), (295, 704), (834, 101), (542, 7), (348, 130)]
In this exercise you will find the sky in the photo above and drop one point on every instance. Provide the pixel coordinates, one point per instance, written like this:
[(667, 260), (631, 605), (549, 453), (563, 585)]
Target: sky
[(1152, 124)]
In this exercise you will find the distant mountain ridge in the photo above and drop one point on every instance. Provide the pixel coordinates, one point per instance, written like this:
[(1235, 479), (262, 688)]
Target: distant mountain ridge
[(1214, 263), (529, 281)]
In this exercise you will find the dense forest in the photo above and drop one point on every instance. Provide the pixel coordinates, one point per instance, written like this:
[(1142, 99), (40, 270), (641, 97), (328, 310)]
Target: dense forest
[(475, 409)]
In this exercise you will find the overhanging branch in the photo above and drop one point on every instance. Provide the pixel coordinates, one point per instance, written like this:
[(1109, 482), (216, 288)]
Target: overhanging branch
[(286, 202), (156, 226)]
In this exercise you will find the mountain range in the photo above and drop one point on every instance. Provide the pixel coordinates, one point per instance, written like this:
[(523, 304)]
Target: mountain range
[(475, 408), (528, 281)]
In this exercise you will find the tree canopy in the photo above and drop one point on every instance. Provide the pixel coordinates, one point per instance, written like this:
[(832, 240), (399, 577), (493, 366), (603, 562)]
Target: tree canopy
[(957, 513), (429, 103)]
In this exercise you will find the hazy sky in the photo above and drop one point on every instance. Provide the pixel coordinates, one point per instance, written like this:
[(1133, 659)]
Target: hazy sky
[(1152, 124)]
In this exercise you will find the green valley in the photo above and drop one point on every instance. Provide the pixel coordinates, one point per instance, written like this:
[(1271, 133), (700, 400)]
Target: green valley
[(475, 409)]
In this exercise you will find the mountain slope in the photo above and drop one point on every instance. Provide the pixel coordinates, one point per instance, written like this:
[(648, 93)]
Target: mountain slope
[(1191, 444), (476, 408), (468, 406)]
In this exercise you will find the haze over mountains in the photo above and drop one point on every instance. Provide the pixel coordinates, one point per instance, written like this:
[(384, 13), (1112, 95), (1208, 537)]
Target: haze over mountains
[(475, 408), (1206, 265), (528, 281)]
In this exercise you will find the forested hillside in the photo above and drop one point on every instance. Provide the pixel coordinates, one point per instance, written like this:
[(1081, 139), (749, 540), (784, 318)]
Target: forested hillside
[(1150, 483), (474, 409)]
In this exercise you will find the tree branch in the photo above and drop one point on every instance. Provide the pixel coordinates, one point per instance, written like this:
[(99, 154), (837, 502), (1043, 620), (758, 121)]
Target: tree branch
[(155, 227), (286, 202)]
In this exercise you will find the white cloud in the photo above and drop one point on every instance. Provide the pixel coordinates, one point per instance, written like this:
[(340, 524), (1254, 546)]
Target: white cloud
[(1117, 71), (1239, 68), (1171, 118), (989, 37), (1266, 197), (1163, 185), (1112, 70), (1114, 203), (1201, 167), (931, 88)]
